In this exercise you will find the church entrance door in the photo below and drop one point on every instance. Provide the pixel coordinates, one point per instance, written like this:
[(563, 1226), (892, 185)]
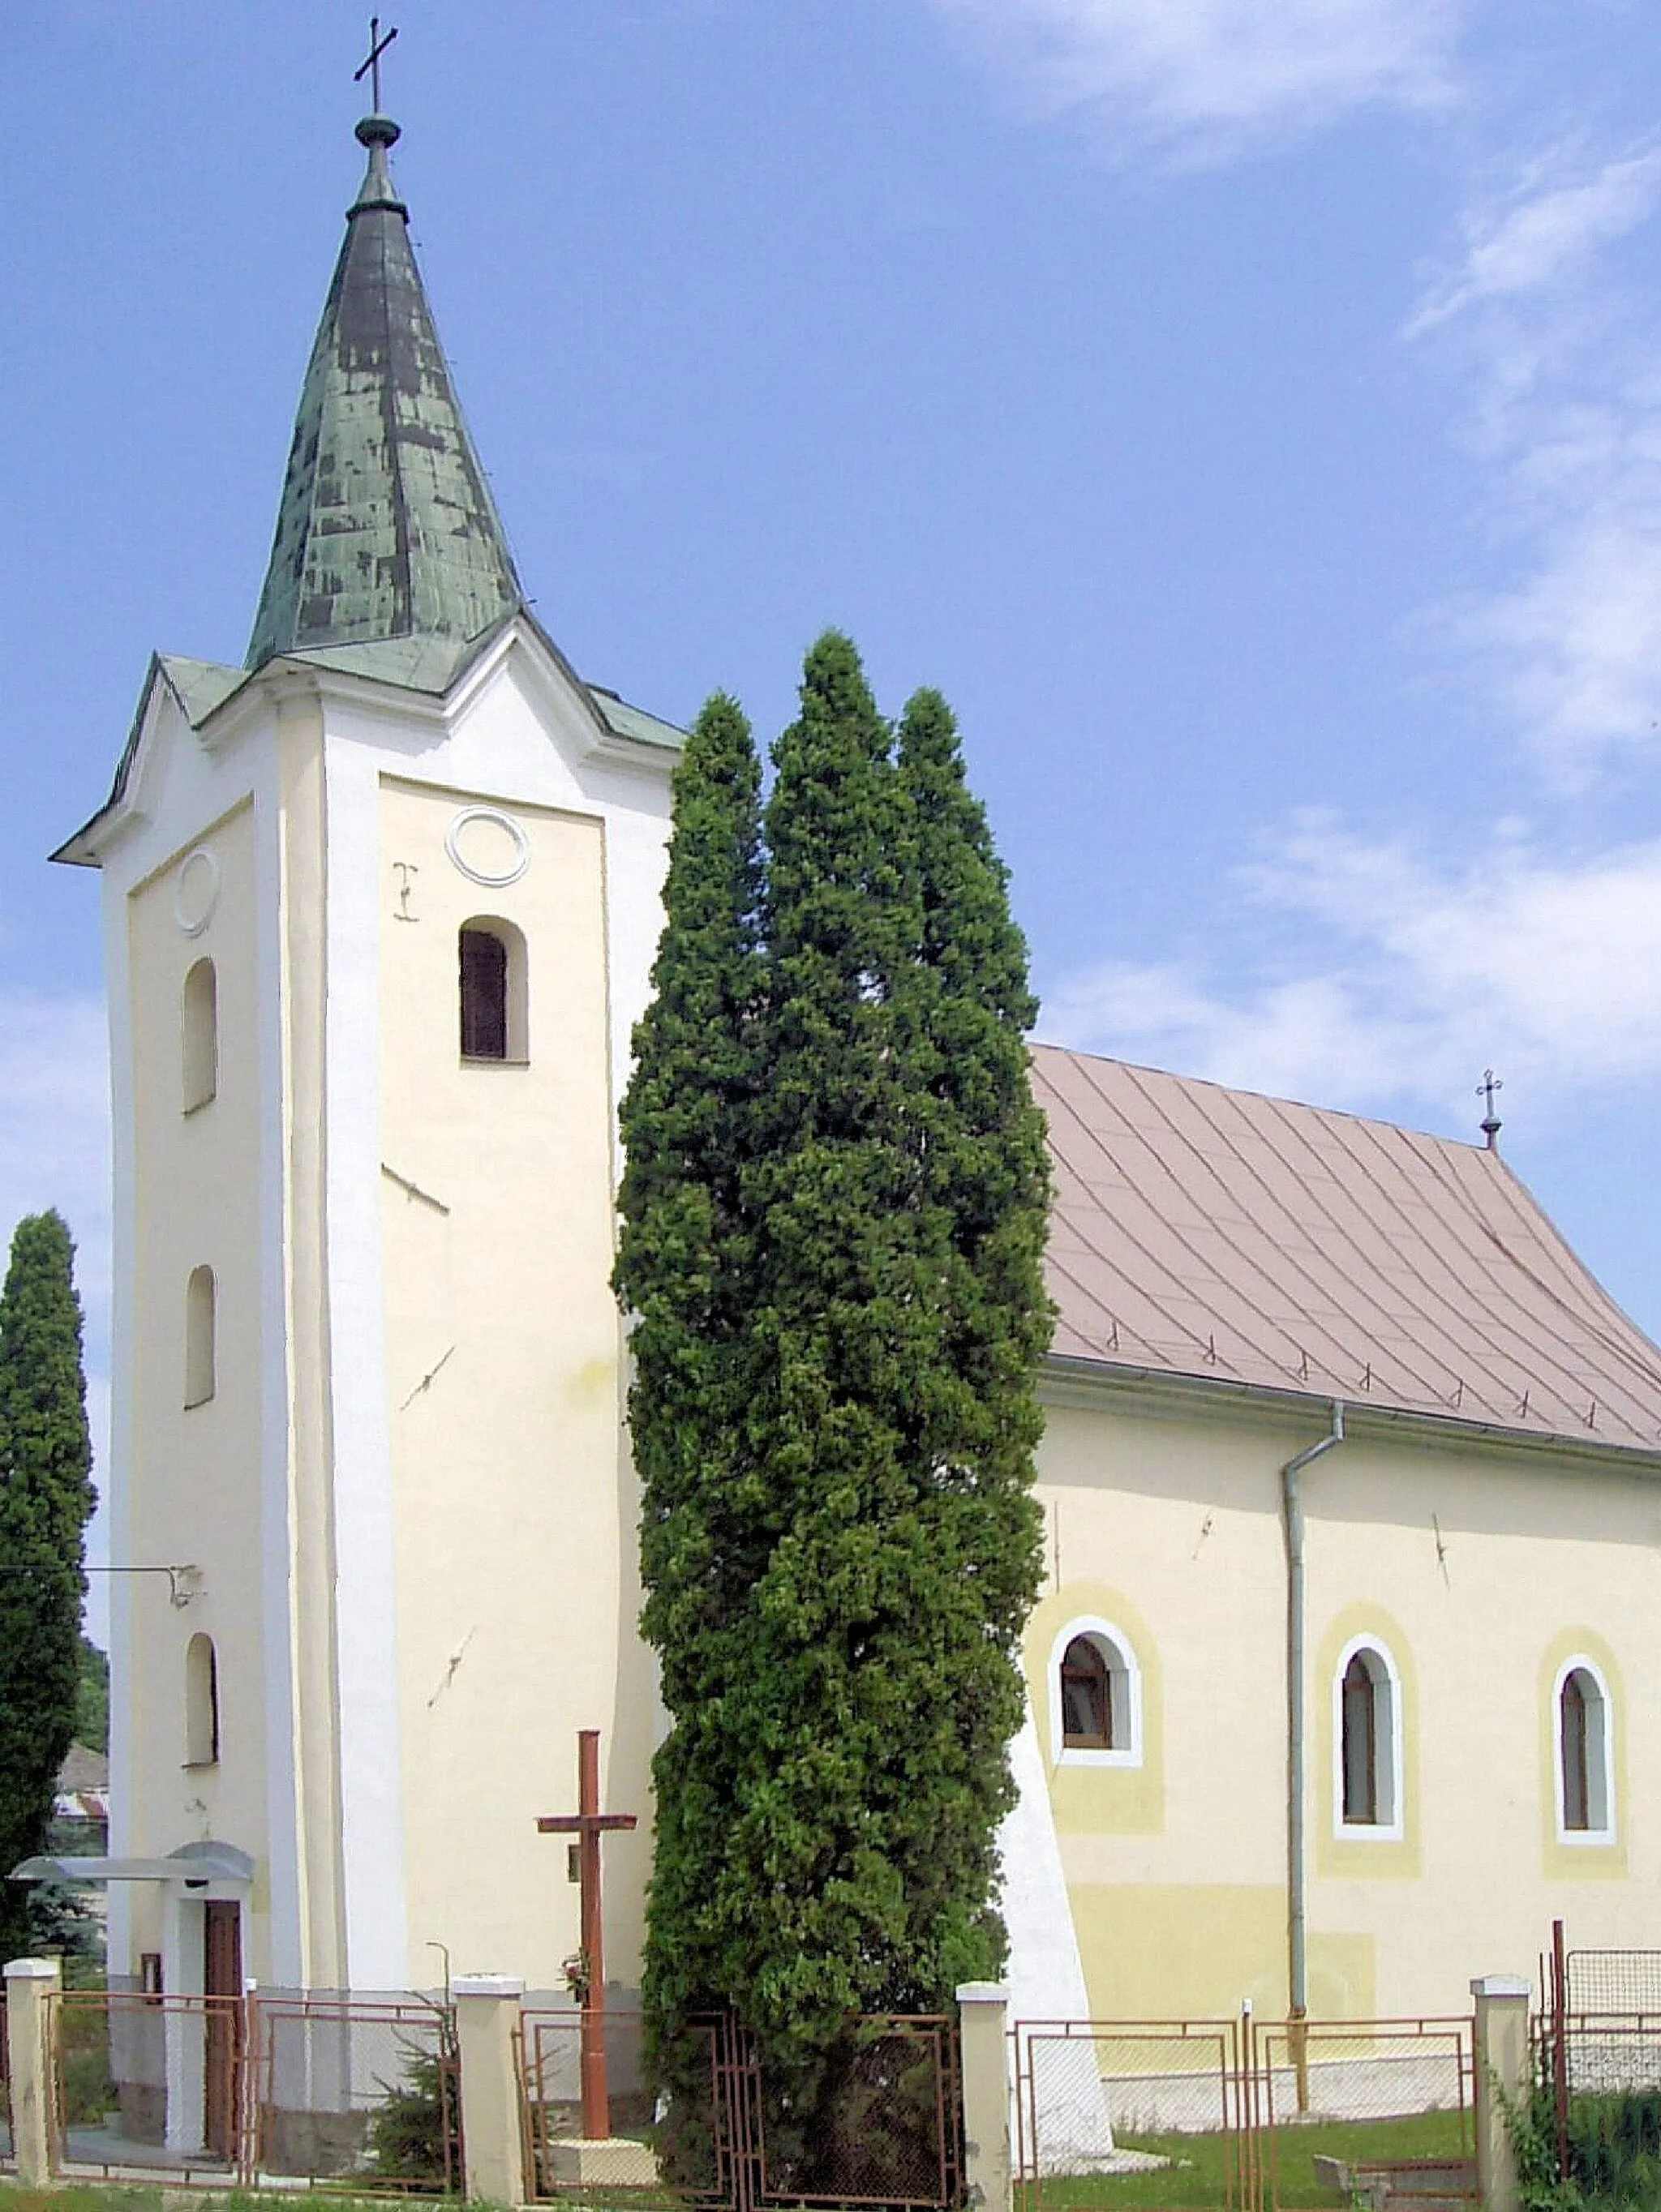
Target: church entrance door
[(222, 1984)]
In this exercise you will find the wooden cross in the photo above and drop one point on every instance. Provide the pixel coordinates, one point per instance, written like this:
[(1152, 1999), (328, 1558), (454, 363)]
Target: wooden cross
[(588, 1824), (371, 68)]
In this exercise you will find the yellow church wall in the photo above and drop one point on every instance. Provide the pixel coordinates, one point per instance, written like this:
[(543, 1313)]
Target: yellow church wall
[(1479, 1570), (514, 1536), (194, 1474)]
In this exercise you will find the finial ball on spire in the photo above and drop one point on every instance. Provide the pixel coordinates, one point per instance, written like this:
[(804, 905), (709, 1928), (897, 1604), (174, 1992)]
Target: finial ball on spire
[(378, 130)]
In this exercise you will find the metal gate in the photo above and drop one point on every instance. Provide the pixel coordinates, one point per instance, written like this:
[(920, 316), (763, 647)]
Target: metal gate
[(888, 2131), (1266, 2114), (885, 2131)]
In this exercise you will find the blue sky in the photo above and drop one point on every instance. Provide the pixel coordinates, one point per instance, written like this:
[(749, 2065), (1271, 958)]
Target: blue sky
[(1250, 416)]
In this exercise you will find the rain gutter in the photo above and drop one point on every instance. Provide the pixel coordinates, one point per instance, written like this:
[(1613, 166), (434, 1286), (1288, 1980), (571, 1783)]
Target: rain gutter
[(1297, 1871)]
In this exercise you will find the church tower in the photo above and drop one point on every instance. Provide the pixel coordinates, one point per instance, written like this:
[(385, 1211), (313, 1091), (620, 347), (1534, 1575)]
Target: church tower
[(380, 909)]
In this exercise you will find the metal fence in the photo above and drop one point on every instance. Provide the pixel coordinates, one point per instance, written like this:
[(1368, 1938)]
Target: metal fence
[(1081, 2085), (368, 2090), (1242, 2102), (877, 2122), (1624, 1984), (1597, 2049), (260, 2089), (550, 2045), (886, 2128), (147, 2088)]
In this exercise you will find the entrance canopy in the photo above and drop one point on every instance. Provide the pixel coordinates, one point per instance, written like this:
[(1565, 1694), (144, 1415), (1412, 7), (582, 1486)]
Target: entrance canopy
[(192, 1866)]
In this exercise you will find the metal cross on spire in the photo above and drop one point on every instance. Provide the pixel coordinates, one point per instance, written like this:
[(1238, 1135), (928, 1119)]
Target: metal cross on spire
[(371, 68), (1491, 1124)]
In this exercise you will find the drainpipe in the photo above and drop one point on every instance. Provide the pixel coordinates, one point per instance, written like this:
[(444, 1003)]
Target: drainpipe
[(1297, 1915)]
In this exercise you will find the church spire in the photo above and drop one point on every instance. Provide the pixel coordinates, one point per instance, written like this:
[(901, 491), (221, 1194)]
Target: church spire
[(386, 528)]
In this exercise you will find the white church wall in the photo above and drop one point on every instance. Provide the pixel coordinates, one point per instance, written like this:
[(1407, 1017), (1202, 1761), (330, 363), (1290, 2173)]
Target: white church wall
[(367, 1652), (192, 1477)]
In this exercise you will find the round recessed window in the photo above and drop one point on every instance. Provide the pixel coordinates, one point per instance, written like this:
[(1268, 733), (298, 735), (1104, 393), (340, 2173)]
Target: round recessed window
[(488, 846), (196, 891)]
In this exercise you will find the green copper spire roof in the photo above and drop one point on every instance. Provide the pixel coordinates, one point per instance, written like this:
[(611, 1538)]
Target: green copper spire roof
[(386, 527)]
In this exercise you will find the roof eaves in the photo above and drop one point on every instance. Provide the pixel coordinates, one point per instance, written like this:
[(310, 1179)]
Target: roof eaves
[(197, 702), (1068, 1379)]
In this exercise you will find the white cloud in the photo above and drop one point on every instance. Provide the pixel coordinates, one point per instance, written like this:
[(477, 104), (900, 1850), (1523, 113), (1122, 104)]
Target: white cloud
[(1205, 76), (1411, 980), (1554, 346), (1541, 231)]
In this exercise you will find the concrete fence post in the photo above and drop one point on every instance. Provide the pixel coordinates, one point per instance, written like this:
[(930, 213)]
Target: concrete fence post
[(492, 2138), (29, 1983), (1502, 2077), (988, 2168)]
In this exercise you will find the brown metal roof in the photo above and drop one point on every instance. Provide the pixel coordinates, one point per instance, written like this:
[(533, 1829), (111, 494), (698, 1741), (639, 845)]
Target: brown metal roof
[(1218, 1235)]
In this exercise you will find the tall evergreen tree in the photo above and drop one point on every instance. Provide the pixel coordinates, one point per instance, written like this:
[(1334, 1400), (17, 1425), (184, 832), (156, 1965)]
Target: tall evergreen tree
[(685, 1272), (834, 1402), (45, 1498), (983, 1152)]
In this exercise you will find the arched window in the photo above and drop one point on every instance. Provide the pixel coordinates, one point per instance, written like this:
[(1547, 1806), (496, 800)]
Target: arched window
[(198, 1337), (201, 1703), (1368, 1741), (1095, 1697), (201, 1036), (1087, 1697), (494, 1015), (1584, 1800)]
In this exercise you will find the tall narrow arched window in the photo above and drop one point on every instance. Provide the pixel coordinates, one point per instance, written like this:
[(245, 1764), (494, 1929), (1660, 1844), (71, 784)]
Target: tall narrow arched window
[(495, 1023), (199, 1337), (200, 1011), (1584, 1800), (1095, 1697), (201, 1702), (1087, 1697), (1360, 1744), (1368, 1741)]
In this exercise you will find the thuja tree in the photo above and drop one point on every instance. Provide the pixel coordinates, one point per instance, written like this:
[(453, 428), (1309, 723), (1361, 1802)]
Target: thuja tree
[(46, 1498), (685, 1272), (833, 1250)]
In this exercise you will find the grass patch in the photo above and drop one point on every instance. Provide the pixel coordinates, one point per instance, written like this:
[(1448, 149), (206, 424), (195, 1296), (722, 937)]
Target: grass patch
[(121, 2196), (1197, 2179)]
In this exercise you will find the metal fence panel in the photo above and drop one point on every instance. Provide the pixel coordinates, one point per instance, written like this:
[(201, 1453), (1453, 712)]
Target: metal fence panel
[(1103, 2097), (1082, 2086), (883, 2128), (148, 2088), (550, 2091), (1304, 2072), (1625, 1983), (368, 2090), (887, 2125)]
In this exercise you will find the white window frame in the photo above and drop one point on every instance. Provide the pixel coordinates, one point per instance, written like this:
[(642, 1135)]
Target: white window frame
[(1390, 1770), (1121, 1658), (1579, 1839)]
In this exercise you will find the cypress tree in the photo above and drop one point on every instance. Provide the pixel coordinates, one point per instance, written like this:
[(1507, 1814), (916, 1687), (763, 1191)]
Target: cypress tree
[(834, 1259), (984, 1153), (46, 1498), (685, 1271)]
